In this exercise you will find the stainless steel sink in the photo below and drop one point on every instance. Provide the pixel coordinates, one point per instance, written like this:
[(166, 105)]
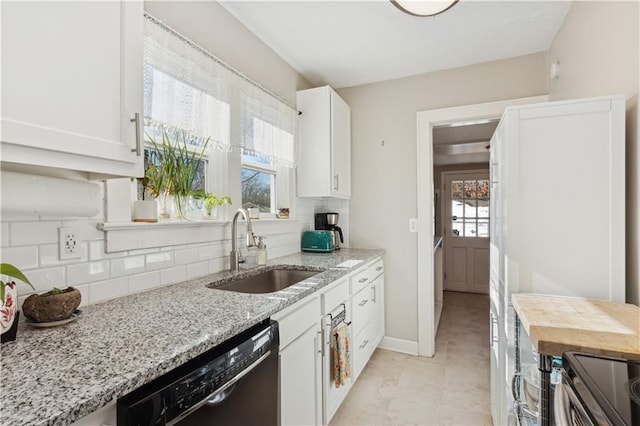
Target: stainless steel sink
[(268, 281)]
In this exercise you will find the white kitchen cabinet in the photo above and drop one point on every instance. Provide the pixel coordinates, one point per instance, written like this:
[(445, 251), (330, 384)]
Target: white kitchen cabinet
[(300, 363), (71, 84), (367, 301), (324, 144), (557, 203)]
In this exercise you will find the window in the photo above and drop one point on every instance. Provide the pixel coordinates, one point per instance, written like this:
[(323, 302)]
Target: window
[(470, 208), (258, 189), (267, 155), (189, 92)]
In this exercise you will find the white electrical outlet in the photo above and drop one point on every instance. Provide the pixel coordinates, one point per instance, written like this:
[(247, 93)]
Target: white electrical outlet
[(413, 224), (68, 244)]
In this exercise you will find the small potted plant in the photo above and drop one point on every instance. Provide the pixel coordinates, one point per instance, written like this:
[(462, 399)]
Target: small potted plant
[(146, 210), (212, 203), (9, 313), (54, 305), (178, 167)]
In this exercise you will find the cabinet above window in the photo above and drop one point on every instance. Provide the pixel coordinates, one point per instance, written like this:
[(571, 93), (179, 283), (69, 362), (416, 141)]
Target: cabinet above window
[(72, 86)]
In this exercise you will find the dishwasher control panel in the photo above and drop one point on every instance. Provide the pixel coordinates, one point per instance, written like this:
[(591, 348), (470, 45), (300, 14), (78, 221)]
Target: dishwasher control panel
[(207, 379)]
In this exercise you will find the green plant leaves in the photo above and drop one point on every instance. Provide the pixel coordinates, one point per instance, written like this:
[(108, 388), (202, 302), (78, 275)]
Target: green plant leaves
[(12, 272)]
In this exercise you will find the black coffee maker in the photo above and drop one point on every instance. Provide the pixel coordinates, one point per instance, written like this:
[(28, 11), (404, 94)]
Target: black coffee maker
[(329, 222)]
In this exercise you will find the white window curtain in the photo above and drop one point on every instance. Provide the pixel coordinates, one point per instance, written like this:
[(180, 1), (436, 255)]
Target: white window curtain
[(188, 89)]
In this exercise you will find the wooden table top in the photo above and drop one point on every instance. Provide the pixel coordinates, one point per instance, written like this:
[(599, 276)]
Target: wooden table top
[(559, 324)]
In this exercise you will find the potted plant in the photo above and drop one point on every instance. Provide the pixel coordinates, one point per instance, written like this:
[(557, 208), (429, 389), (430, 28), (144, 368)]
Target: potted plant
[(176, 169), (212, 203), (146, 210), (9, 313), (54, 305)]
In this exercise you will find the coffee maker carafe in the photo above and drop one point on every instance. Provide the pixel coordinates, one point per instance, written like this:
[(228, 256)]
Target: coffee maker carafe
[(329, 222)]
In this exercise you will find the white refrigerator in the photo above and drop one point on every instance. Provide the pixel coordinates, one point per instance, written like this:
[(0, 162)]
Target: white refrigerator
[(558, 209)]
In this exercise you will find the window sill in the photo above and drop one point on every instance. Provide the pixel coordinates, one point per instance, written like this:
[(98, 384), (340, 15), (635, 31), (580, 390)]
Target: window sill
[(123, 236)]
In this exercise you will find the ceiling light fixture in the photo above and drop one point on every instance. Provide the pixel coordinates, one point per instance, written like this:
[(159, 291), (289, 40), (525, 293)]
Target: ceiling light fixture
[(424, 7)]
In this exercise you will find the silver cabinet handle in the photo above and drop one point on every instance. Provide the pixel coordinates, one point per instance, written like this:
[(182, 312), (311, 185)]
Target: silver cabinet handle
[(379, 268), (138, 148), (318, 342), (373, 293), (363, 280), (363, 344), (337, 180), (364, 302)]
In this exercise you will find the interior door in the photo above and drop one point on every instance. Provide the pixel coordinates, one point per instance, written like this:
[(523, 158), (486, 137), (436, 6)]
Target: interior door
[(466, 231)]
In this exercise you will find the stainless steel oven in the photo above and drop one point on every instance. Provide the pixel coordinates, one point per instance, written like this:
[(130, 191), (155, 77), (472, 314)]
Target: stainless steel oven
[(235, 383), (597, 391)]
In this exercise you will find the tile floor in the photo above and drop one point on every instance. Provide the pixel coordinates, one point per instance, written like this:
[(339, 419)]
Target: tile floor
[(452, 388)]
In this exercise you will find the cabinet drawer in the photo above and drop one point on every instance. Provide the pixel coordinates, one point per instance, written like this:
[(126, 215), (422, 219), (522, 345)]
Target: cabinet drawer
[(361, 309), (335, 296), (360, 281), (376, 269), (361, 350), (294, 320), (364, 277)]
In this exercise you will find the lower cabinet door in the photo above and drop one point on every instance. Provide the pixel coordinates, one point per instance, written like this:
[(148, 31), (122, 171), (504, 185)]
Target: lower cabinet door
[(299, 390)]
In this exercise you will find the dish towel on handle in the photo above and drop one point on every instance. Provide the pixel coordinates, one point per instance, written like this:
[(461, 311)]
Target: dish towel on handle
[(341, 348)]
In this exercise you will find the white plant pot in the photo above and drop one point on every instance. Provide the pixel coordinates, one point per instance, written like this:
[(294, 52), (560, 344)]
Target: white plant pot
[(145, 211)]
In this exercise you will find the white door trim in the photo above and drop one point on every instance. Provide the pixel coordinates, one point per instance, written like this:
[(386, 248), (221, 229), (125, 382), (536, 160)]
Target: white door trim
[(425, 121)]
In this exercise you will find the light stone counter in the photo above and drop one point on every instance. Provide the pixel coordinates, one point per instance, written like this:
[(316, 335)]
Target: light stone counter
[(559, 324), (55, 376)]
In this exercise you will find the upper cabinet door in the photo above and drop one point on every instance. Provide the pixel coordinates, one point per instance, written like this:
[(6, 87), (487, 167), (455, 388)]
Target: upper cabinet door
[(340, 147), (324, 144), (72, 83)]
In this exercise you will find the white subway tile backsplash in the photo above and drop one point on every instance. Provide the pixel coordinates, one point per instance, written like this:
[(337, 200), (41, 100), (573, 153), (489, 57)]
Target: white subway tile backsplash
[(97, 252), (109, 289), (218, 265), (21, 257), (143, 251), (88, 229), (144, 281), (84, 293), (173, 275), (182, 257), (32, 233), (159, 260), (44, 279), (31, 243), (127, 266), (4, 234), (195, 270), (88, 272), (208, 252)]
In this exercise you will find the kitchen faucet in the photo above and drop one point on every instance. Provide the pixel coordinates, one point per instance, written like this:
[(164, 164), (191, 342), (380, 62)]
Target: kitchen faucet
[(234, 256)]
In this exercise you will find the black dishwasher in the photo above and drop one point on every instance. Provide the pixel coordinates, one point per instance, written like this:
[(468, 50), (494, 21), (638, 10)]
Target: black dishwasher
[(235, 383)]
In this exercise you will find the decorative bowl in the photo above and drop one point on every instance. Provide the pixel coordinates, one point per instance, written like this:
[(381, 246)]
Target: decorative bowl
[(54, 305)]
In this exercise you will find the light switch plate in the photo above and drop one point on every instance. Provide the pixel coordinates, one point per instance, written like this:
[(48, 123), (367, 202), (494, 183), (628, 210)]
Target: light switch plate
[(413, 224)]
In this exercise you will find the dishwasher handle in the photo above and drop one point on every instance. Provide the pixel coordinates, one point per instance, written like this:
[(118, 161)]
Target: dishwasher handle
[(221, 394)]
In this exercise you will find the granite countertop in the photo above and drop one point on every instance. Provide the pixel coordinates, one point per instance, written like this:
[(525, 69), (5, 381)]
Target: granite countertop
[(559, 324), (58, 375)]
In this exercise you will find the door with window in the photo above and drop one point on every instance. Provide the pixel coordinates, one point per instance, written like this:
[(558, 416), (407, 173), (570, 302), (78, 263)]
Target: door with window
[(466, 231)]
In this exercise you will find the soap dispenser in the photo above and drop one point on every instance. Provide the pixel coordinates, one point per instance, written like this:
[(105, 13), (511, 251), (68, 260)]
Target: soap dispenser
[(262, 251)]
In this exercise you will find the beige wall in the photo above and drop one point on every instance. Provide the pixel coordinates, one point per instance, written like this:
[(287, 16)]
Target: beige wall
[(384, 177), (212, 27), (597, 47)]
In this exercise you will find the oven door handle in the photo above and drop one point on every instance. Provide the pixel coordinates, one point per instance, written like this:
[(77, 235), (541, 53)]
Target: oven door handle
[(221, 394)]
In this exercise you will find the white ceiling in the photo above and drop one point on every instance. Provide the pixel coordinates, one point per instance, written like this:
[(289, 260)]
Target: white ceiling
[(348, 43)]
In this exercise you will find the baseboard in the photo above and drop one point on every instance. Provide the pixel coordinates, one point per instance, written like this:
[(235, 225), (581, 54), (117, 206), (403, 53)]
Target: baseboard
[(399, 345)]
